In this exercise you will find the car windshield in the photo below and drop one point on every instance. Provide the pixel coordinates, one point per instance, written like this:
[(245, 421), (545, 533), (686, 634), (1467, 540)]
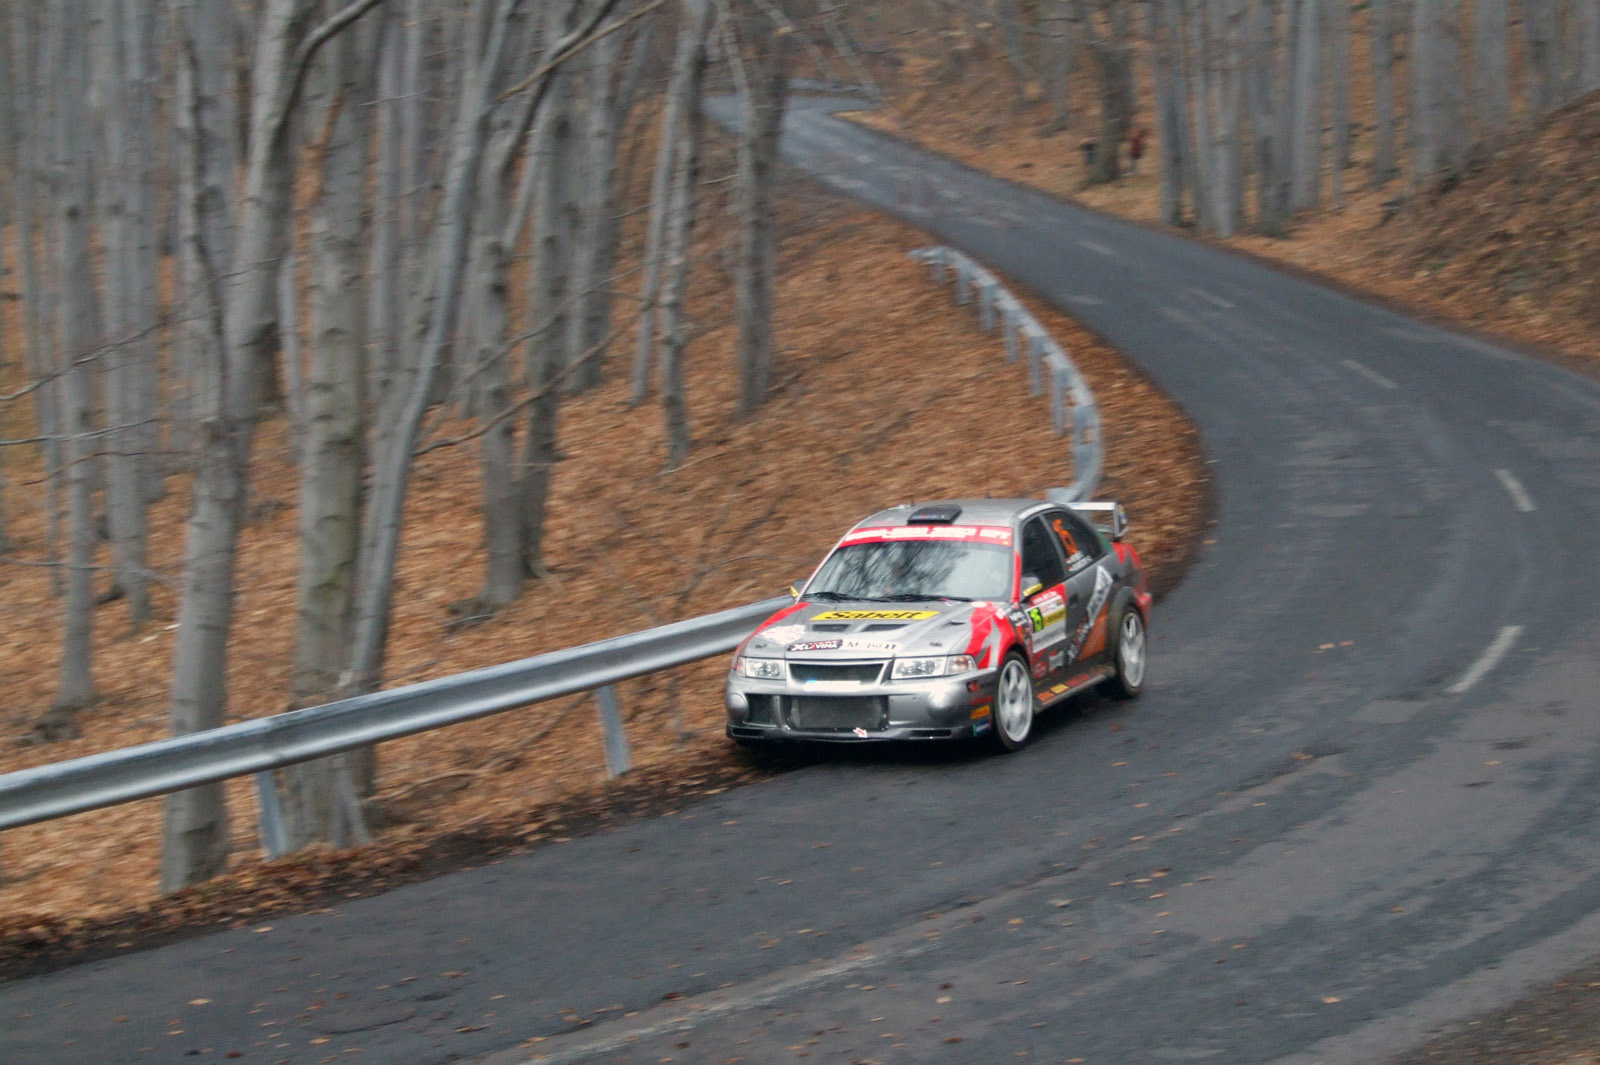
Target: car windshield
[(911, 570)]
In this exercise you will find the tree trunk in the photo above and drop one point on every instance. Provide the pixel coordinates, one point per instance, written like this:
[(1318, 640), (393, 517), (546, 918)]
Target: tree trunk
[(1055, 28), (487, 298), (29, 140), (684, 69), (446, 254), (1380, 37), (195, 841), (1541, 57), (1305, 134), (1491, 69), (554, 155), (78, 331), (321, 803), (1170, 118), (1586, 34), (755, 269), (680, 230), (1339, 59)]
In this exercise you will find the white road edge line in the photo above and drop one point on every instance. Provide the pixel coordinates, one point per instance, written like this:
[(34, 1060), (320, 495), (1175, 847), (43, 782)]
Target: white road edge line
[(1098, 249), (1368, 372), (1213, 299), (1488, 660), (1519, 495)]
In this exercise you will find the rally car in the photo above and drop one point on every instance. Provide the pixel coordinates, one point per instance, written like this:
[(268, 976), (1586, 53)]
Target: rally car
[(947, 621)]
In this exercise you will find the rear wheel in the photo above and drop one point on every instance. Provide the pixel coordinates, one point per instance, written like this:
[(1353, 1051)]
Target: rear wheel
[(1013, 704), (1129, 655)]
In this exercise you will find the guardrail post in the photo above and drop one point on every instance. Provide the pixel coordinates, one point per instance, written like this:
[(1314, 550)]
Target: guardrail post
[(963, 284), (273, 836), (986, 297), (1060, 384), (610, 711), (1036, 343), (1010, 313)]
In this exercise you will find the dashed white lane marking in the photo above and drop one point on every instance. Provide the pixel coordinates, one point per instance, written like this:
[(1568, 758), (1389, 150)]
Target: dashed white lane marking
[(1176, 315), (1488, 660), (1213, 299), (1097, 248), (1519, 495), (1368, 372)]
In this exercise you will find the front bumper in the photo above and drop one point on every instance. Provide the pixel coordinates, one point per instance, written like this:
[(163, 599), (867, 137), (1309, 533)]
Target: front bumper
[(944, 708)]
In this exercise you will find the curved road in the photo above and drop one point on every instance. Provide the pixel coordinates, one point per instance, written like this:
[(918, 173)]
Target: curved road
[(1359, 801)]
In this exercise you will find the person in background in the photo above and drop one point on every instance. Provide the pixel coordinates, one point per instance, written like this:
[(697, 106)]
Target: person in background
[(1135, 150)]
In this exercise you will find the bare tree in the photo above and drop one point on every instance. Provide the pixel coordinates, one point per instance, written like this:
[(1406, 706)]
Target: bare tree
[(1339, 100), (195, 841), (680, 227), (766, 78), (321, 802), (1438, 134), (79, 333), (1491, 67), (1305, 106), (1380, 38)]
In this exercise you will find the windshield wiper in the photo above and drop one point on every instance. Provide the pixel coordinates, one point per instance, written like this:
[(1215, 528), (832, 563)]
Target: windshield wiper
[(920, 597), (834, 597)]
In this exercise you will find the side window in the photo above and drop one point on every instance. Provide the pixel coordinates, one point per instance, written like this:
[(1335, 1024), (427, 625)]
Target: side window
[(1081, 544), (1041, 555)]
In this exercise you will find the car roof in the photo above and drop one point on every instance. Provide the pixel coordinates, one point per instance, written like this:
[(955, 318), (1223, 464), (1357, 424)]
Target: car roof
[(973, 511)]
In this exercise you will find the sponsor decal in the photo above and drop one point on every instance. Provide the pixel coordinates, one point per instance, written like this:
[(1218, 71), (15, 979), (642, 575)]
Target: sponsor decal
[(989, 534), (832, 685), (784, 633), (816, 645), (1058, 659), (980, 727), (981, 712), (1097, 603), (1047, 614), (1038, 669), (852, 643), (861, 733), (876, 615)]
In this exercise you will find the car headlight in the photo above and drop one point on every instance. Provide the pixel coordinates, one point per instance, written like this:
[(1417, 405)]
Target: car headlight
[(935, 666), (760, 668)]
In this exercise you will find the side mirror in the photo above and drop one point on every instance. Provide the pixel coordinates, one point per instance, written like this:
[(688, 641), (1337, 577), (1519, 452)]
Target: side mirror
[(1031, 585), (794, 588)]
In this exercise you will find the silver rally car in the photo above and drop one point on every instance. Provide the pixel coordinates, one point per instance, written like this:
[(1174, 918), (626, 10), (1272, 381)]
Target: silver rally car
[(948, 620)]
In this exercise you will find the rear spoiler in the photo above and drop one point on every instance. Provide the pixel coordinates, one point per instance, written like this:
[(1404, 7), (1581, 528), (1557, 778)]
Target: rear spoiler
[(1109, 517)]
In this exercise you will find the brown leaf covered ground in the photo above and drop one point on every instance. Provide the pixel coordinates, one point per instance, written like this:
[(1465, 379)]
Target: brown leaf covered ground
[(885, 391)]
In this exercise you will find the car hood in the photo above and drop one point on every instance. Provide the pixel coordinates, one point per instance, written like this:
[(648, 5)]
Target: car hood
[(852, 630)]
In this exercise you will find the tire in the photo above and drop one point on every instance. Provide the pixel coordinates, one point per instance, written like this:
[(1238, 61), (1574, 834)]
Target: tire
[(1129, 655), (1013, 704)]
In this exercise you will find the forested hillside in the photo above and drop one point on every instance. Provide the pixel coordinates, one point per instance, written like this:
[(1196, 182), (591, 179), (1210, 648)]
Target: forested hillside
[(1469, 193), (350, 345)]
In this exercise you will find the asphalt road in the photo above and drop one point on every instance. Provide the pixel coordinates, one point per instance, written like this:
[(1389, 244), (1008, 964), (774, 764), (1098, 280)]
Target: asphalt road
[(1358, 801)]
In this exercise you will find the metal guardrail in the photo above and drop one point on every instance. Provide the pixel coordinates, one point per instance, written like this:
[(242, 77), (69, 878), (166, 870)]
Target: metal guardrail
[(1072, 405), (261, 745), (48, 791)]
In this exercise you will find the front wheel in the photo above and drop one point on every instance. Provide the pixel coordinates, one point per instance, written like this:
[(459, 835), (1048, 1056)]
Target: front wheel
[(1129, 655), (1013, 704)]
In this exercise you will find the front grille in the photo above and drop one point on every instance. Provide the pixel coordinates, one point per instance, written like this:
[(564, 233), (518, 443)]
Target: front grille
[(884, 626), (858, 672), (838, 713), (829, 626)]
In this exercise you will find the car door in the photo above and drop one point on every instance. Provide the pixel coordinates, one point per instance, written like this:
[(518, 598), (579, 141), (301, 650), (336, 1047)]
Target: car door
[(1089, 585), (1044, 600)]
